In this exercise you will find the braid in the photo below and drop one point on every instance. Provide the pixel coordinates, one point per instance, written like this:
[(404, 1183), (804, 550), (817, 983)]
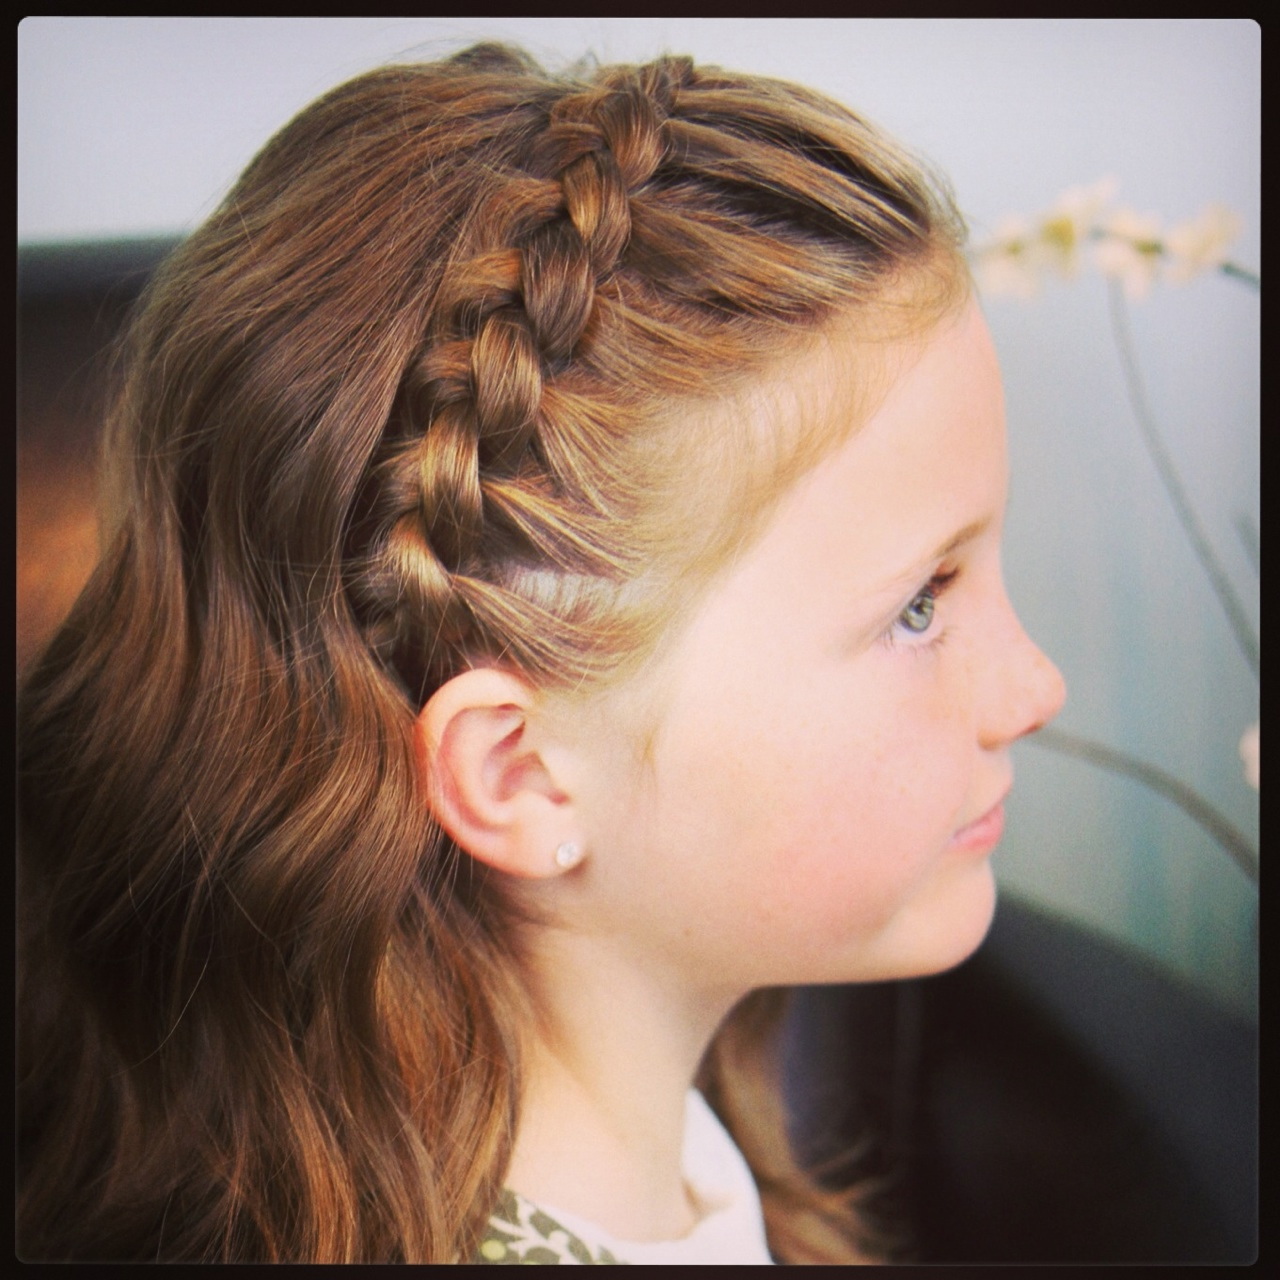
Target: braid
[(471, 480)]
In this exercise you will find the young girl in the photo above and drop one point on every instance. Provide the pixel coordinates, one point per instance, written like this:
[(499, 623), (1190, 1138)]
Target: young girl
[(551, 591)]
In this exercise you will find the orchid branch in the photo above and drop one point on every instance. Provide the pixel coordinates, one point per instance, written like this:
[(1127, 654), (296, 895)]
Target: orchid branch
[(1248, 536), (1199, 810), (1243, 274), (1173, 486)]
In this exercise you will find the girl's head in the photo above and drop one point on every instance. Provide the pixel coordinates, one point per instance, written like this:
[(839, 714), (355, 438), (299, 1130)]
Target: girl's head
[(479, 468)]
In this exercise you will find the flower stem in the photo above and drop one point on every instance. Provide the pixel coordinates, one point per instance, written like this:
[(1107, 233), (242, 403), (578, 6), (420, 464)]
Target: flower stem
[(1182, 507), (1243, 274), (1199, 810), (1248, 536)]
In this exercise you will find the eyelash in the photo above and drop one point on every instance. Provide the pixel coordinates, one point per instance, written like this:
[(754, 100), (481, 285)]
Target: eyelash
[(932, 592)]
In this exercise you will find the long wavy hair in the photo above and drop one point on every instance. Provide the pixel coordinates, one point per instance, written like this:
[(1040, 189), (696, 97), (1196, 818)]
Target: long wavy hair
[(429, 388)]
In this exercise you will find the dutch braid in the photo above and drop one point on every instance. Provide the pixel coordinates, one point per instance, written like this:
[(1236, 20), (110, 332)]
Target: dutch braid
[(509, 318)]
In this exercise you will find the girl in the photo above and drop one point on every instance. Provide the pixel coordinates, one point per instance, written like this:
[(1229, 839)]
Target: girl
[(551, 591)]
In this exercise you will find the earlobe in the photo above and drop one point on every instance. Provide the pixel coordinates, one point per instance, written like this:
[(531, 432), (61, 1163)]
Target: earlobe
[(490, 787)]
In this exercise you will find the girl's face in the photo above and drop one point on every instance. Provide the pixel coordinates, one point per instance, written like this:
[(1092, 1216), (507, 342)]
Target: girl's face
[(825, 786)]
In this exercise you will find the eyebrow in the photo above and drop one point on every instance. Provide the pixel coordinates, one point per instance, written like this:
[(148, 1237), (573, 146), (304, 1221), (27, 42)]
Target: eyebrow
[(909, 575), (972, 530)]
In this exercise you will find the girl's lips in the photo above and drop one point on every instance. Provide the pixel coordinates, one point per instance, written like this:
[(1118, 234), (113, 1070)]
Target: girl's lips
[(983, 833)]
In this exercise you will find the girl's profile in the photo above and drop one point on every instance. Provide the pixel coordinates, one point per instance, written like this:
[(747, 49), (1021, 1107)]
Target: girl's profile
[(550, 601)]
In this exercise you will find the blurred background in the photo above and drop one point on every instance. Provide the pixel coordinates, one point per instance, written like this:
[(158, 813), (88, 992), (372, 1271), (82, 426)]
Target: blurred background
[(130, 131)]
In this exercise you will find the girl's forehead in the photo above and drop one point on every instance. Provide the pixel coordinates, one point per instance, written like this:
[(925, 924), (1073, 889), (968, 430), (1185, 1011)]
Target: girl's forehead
[(927, 461), (836, 382)]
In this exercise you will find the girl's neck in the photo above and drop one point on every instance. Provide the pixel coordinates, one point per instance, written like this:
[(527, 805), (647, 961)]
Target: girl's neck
[(607, 1072)]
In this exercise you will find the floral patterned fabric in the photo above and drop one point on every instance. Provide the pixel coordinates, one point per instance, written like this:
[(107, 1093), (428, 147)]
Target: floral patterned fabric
[(519, 1232)]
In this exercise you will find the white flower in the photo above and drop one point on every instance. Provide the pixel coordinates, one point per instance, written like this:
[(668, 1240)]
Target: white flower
[(1201, 244), (1249, 754), (1010, 264), (1023, 252), (1066, 226), (1130, 248)]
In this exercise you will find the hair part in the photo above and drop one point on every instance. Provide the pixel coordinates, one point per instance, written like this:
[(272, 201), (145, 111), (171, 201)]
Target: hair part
[(424, 391)]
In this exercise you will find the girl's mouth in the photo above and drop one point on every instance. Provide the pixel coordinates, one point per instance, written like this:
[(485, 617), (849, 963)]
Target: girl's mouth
[(982, 834)]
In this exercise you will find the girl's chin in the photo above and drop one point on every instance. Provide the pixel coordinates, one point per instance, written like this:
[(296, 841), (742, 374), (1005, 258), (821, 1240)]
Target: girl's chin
[(968, 922), (942, 934)]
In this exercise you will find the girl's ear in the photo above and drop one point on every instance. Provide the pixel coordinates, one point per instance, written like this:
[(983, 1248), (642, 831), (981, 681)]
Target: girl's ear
[(490, 788)]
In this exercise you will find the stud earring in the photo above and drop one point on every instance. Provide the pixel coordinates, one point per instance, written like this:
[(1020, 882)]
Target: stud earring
[(568, 855)]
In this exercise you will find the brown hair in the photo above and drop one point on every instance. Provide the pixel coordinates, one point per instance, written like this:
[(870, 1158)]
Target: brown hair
[(421, 392)]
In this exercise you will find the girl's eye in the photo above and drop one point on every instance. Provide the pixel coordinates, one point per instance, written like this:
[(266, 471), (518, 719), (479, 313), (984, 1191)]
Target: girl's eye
[(918, 616)]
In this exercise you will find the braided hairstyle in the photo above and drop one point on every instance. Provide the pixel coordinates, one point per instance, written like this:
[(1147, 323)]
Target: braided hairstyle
[(442, 381)]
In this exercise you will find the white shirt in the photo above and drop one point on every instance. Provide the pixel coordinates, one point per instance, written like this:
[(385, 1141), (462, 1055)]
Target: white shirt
[(731, 1229)]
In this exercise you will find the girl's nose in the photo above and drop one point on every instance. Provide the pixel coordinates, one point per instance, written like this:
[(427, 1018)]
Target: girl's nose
[(1026, 690)]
